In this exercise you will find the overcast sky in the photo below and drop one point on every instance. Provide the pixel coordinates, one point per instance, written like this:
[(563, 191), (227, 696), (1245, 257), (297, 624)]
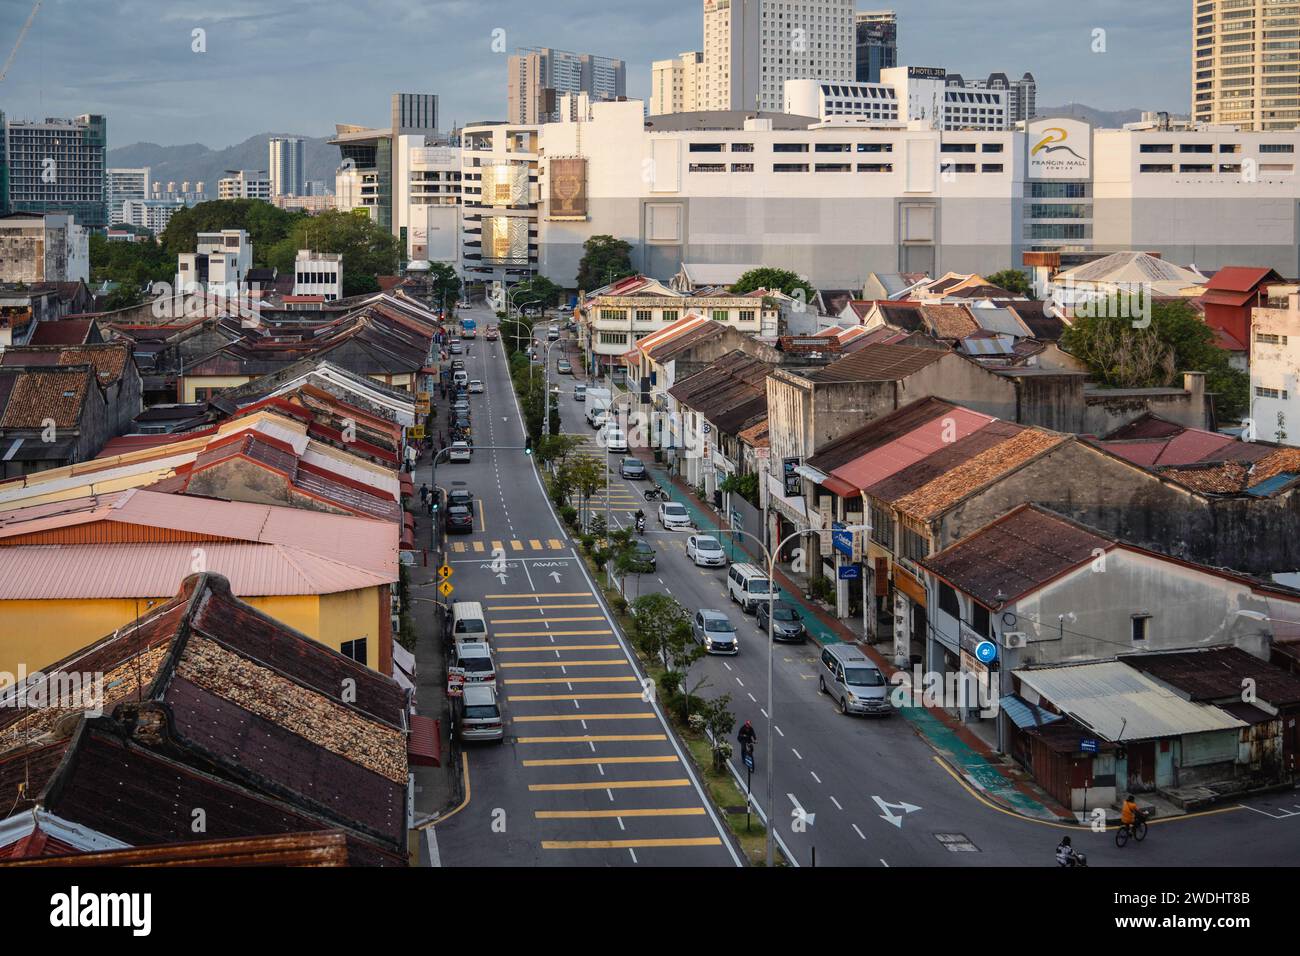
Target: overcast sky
[(295, 66)]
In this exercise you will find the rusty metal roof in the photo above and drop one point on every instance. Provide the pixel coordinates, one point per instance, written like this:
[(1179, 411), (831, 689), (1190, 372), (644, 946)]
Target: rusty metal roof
[(1217, 673), (876, 363), (1016, 555)]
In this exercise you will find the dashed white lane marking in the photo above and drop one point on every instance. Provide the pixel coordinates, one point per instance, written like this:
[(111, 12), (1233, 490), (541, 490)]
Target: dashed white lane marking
[(833, 800), (778, 730), (796, 753), (815, 777), (859, 832)]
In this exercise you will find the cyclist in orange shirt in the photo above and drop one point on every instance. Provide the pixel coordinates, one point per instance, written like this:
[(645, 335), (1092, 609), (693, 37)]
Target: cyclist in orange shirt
[(1129, 811)]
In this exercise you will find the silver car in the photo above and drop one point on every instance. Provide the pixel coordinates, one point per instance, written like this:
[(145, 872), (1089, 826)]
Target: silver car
[(705, 551), (853, 682), (480, 714), (712, 629)]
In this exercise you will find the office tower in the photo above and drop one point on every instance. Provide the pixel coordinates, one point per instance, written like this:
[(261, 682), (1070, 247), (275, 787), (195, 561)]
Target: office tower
[(1021, 95), (751, 47), (241, 184), (539, 76), (877, 43), (286, 163), (1245, 64), (674, 84), (121, 185), (57, 166)]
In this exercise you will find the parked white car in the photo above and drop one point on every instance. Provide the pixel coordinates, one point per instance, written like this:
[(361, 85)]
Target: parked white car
[(706, 551), (460, 451), (475, 387), (674, 516), (613, 439)]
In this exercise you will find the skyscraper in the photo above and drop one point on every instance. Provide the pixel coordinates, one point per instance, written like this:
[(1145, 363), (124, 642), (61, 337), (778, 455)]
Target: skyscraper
[(287, 167), (538, 76), (57, 166), (877, 42), (751, 47), (674, 84), (1244, 69), (415, 113), (121, 185)]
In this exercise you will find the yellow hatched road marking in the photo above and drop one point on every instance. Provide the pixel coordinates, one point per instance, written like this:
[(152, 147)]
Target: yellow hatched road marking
[(542, 718), (479, 548), (540, 607), (546, 648), (552, 633), (522, 697), (573, 680), (538, 620), (517, 545), (534, 544), (595, 739), (458, 547), (593, 761), (611, 814), (556, 544), (540, 594), (611, 785), (612, 662), (498, 546), (628, 844)]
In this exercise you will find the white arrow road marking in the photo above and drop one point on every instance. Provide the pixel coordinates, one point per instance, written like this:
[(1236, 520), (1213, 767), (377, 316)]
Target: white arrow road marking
[(888, 809)]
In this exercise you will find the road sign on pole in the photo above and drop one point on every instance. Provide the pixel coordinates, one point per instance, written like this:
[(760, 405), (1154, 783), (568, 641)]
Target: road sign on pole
[(445, 571), (445, 589)]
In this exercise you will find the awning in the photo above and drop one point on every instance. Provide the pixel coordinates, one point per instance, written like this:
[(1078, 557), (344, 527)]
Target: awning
[(812, 474), (1024, 714), (838, 486), (424, 744)]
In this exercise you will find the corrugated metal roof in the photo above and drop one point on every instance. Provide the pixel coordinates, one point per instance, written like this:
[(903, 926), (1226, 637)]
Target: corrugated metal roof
[(1120, 704), (1024, 714), (907, 450)]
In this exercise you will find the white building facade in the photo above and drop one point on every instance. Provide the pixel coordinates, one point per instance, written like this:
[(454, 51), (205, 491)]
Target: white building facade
[(1275, 367), (121, 185), (244, 184), (837, 203), (675, 84), (751, 47), (151, 214), (501, 197), (318, 273), (427, 199)]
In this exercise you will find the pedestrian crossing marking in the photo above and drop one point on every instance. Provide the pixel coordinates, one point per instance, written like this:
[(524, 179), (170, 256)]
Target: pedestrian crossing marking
[(556, 544), (458, 547), (498, 546), (479, 547), (610, 785), (517, 545), (535, 544)]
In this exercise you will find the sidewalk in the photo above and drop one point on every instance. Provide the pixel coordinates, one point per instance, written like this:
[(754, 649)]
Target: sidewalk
[(437, 789), (970, 757)]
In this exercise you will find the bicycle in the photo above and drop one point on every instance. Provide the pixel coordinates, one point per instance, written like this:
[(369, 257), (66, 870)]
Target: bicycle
[(1137, 830)]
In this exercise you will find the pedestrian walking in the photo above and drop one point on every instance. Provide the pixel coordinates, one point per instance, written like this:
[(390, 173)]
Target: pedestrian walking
[(424, 493)]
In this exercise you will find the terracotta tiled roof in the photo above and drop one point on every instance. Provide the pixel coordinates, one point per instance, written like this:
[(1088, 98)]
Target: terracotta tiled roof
[(41, 395), (949, 321), (109, 360), (937, 496), (1226, 478)]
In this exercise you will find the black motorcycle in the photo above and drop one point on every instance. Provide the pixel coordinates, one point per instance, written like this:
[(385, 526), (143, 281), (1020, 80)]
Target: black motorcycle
[(656, 493)]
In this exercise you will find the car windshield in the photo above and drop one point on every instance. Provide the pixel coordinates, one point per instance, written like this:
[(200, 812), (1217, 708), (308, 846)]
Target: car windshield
[(458, 511), (863, 677), (631, 463), (470, 626), (718, 624), (644, 548), (476, 665), (708, 544), (675, 511), (784, 614), (758, 586), (482, 712)]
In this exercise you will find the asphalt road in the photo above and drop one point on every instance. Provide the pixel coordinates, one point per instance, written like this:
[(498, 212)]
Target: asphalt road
[(589, 774), (874, 790)]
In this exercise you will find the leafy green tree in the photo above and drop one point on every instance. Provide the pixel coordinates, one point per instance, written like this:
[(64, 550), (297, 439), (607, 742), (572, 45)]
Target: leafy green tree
[(266, 225), (445, 285), (1013, 280), (604, 260), (655, 618), (1121, 355), (539, 289), (768, 278), (746, 486), (368, 250), (557, 448)]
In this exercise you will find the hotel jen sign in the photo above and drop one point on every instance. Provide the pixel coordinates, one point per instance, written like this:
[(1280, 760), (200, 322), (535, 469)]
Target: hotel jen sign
[(1059, 149)]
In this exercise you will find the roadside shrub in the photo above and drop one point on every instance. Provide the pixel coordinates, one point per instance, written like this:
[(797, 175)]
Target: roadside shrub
[(570, 515)]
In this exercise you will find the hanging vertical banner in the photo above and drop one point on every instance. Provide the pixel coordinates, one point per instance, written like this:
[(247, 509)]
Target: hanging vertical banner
[(568, 189)]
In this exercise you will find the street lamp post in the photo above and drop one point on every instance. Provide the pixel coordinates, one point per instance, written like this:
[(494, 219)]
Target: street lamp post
[(771, 555), (546, 385)]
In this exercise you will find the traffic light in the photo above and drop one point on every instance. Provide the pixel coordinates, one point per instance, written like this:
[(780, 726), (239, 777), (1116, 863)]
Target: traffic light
[(528, 446)]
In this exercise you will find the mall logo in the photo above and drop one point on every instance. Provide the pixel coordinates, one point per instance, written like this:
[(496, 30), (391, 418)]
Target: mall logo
[(1059, 151)]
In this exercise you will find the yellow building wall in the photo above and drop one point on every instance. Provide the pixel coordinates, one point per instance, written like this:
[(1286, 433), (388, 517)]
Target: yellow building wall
[(35, 634), (215, 381)]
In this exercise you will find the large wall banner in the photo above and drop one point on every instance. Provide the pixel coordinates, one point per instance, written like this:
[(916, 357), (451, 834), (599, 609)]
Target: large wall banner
[(568, 189)]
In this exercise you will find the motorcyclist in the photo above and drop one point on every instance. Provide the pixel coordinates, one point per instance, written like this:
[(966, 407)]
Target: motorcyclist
[(640, 520), (1066, 855), (747, 736)]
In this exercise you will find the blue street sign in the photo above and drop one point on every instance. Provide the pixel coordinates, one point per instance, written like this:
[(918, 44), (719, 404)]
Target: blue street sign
[(1089, 746), (842, 539), (749, 761), (850, 572), (986, 652)]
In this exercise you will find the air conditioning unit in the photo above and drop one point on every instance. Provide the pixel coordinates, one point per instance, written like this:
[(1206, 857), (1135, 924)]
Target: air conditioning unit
[(1012, 640)]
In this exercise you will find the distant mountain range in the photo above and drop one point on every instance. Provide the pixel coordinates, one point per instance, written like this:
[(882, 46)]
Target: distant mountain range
[(1106, 119), (198, 163)]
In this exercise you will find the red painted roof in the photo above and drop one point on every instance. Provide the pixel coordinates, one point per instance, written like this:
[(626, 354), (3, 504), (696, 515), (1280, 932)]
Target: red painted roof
[(1238, 278)]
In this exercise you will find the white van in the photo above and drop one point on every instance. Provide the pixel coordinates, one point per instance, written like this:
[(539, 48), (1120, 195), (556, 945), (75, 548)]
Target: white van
[(596, 415), (853, 682), (468, 622), (460, 378), (748, 586)]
